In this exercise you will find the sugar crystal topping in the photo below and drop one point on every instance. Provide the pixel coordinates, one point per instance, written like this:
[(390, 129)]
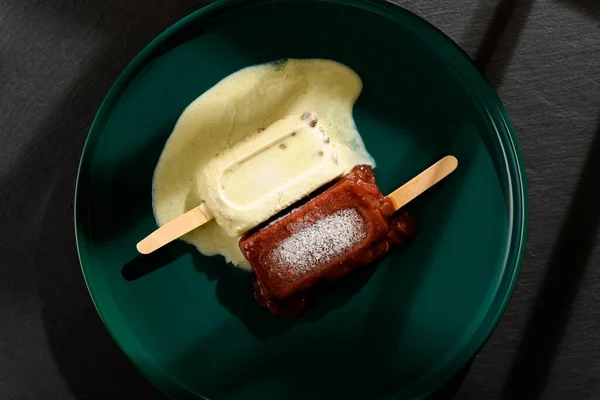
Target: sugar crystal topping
[(319, 243)]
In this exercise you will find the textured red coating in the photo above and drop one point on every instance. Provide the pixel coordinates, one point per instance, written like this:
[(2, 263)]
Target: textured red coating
[(288, 292)]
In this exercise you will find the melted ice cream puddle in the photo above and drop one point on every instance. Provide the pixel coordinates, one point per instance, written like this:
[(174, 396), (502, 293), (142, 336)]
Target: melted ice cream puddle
[(240, 104)]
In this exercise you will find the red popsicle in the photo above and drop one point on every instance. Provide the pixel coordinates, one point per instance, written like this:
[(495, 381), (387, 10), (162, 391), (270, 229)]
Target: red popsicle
[(348, 225)]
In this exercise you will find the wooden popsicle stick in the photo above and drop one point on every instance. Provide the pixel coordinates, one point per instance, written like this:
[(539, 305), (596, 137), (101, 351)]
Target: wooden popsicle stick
[(173, 230), (195, 217), (420, 183)]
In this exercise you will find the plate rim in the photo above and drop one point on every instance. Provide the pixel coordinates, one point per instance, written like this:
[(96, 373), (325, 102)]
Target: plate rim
[(505, 134)]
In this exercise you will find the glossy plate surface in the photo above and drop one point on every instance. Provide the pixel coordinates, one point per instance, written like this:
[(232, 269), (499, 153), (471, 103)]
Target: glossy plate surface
[(190, 323)]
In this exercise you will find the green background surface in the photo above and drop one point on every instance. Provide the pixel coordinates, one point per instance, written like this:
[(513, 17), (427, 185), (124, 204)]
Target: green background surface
[(398, 331)]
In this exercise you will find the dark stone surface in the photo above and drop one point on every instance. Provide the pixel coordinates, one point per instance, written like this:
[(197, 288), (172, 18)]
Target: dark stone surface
[(58, 59)]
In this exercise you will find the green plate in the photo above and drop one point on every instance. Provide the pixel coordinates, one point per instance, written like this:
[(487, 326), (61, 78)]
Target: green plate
[(400, 330)]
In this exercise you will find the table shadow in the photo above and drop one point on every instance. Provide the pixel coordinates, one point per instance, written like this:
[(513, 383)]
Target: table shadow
[(41, 184), (554, 303), (587, 7)]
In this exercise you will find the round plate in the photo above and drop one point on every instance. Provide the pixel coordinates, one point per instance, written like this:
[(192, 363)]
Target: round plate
[(400, 330)]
